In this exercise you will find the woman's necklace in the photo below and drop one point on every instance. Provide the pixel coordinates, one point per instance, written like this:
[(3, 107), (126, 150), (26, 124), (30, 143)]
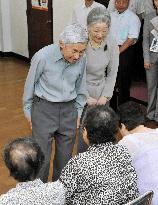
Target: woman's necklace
[(95, 46)]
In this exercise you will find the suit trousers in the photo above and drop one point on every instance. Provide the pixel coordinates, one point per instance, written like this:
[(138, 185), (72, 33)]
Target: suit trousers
[(54, 121), (152, 85), (124, 75), (121, 92)]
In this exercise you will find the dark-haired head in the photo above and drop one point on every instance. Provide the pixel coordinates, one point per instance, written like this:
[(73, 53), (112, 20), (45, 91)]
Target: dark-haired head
[(131, 115), (101, 124), (24, 158)]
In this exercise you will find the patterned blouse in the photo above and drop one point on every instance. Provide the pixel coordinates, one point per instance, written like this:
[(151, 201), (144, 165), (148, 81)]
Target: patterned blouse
[(101, 175), (35, 193)]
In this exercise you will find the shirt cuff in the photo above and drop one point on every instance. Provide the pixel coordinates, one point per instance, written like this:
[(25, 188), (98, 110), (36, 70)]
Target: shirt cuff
[(27, 113)]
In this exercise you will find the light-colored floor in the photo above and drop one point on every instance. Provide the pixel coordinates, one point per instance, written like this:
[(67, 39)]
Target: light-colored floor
[(12, 122)]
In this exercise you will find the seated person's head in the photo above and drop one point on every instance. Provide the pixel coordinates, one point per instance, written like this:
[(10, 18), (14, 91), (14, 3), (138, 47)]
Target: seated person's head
[(24, 158), (100, 125), (131, 115)]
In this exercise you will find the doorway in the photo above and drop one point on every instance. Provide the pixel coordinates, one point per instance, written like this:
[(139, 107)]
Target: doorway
[(40, 24)]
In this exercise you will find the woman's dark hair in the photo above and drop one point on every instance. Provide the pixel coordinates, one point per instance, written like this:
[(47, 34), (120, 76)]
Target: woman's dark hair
[(131, 115), (101, 123), (24, 158)]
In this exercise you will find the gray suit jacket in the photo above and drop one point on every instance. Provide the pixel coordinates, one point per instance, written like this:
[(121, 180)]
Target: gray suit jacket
[(149, 57)]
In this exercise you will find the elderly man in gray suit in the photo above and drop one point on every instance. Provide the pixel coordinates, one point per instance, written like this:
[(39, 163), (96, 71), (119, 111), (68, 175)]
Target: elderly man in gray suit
[(55, 94)]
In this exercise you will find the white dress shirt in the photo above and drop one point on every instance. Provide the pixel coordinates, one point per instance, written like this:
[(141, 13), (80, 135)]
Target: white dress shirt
[(124, 25), (80, 13)]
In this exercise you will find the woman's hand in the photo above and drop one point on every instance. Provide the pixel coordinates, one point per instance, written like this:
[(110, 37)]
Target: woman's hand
[(147, 66), (91, 101), (102, 100)]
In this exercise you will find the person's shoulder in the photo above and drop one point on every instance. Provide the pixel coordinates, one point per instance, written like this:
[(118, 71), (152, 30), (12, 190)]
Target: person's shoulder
[(57, 186), (112, 44), (122, 150), (120, 147), (45, 51), (48, 48), (82, 157), (111, 40), (132, 17), (130, 13), (126, 138), (150, 15), (8, 198)]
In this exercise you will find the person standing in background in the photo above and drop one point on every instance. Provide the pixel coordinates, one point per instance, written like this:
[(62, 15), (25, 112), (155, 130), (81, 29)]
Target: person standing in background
[(150, 50), (125, 28), (137, 6), (81, 12)]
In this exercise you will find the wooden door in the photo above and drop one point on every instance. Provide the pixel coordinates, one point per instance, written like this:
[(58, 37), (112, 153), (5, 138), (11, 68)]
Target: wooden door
[(40, 24)]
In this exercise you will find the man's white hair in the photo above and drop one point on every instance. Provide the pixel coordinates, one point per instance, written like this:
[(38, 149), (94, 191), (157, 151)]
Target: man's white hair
[(74, 33)]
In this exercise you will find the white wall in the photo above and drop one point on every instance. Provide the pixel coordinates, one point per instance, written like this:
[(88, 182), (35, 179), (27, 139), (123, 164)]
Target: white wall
[(62, 15), (13, 23), (6, 44), (19, 32), (0, 28)]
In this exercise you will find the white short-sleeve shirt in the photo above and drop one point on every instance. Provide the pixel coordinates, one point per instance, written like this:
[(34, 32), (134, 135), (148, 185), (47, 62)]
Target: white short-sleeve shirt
[(124, 25), (81, 12)]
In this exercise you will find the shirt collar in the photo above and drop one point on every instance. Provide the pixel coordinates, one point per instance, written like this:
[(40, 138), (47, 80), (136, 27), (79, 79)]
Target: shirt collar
[(122, 12), (36, 182), (101, 147), (57, 54)]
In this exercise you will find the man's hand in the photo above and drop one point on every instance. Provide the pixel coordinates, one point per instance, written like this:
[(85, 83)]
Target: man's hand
[(78, 122), (91, 101), (147, 66), (129, 42), (102, 100), (30, 123)]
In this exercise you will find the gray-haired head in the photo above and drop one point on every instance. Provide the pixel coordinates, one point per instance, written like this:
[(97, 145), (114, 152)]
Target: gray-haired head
[(98, 15), (74, 33), (24, 158)]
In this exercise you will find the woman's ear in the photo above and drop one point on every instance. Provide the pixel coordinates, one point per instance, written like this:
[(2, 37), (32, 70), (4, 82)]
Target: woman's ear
[(85, 138), (123, 130)]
